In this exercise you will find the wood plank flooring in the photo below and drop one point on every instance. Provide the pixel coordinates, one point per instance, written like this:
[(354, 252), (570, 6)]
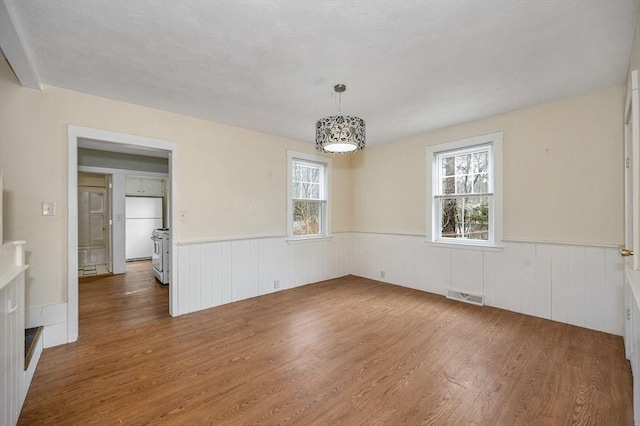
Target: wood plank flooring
[(348, 351)]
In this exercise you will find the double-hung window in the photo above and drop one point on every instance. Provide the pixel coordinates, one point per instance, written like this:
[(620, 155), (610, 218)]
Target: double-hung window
[(466, 188), (308, 196)]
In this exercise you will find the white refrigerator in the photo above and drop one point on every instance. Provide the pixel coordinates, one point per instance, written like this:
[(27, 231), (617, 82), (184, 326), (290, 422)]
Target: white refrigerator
[(142, 216)]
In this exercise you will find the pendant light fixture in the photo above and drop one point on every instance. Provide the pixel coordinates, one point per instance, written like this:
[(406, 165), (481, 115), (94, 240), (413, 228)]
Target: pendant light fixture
[(340, 133)]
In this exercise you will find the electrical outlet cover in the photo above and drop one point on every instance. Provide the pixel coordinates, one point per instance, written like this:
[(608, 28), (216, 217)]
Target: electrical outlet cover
[(48, 208)]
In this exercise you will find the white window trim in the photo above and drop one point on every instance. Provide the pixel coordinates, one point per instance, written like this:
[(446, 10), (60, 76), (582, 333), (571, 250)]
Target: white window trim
[(495, 140), (326, 234)]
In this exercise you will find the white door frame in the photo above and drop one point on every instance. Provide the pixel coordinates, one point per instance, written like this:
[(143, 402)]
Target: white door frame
[(75, 132)]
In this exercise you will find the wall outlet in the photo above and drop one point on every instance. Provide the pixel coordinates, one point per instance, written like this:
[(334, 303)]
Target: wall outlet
[(276, 284), (382, 274)]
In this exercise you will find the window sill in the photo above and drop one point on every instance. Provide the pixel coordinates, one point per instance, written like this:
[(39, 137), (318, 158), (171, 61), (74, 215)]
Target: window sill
[(463, 246), (308, 239)]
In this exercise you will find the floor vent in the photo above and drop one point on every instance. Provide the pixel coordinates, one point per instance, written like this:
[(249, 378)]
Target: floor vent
[(466, 297)]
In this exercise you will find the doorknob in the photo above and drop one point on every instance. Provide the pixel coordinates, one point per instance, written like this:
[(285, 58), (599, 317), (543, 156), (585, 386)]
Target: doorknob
[(625, 252)]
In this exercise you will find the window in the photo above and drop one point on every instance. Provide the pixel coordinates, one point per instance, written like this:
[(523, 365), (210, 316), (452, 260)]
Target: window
[(466, 191), (308, 199)]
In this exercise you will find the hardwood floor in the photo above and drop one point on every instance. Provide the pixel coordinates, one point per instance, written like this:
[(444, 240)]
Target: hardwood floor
[(348, 351)]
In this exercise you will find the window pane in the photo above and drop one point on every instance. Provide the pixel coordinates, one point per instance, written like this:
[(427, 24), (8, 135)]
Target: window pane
[(463, 185), (451, 217), (449, 185), (480, 162), (463, 164), (306, 181), (306, 190), (465, 217), (481, 184), (448, 168), (476, 218), (307, 217)]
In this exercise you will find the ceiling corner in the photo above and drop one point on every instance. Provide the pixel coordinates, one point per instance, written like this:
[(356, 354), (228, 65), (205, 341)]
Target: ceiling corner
[(15, 50)]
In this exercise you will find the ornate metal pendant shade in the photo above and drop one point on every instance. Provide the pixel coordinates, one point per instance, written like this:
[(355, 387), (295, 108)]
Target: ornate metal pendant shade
[(340, 133)]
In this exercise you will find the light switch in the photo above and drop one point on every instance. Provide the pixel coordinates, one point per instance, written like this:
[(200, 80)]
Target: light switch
[(48, 208), (183, 215)]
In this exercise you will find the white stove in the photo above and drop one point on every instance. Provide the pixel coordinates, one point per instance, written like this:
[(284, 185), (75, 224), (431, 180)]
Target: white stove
[(161, 256)]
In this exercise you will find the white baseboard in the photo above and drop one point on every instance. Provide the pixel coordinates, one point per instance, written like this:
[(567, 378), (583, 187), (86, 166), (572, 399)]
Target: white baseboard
[(54, 320)]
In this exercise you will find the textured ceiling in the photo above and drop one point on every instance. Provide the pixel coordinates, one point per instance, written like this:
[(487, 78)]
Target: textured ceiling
[(270, 65)]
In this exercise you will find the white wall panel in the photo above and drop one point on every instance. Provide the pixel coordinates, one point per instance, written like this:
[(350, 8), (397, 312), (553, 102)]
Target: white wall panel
[(467, 271), (505, 279), (489, 275), (206, 278), (236, 270), (227, 280), (559, 283), (246, 261), (595, 284), (195, 297), (527, 277), (543, 280), (577, 299), (401, 253), (216, 274), (184, 275), (265, 266), (288, 264)]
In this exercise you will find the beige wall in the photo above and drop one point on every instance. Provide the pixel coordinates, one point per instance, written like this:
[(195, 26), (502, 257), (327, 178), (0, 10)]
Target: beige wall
[(231, 182), (634, 62), (562, 171)]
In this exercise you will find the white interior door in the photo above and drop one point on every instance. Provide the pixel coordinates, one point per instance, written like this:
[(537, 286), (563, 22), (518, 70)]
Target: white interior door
[(92, 246), (632, 173), (631, 251)]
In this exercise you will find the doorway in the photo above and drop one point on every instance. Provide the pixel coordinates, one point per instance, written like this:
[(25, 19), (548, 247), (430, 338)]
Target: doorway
[(113, 142)]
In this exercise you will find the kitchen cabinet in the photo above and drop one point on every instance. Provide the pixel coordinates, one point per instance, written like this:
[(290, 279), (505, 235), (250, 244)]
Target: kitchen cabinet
[(144, 186)]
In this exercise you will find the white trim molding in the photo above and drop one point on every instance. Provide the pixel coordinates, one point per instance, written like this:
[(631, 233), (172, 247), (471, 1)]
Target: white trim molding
[(53, 319)]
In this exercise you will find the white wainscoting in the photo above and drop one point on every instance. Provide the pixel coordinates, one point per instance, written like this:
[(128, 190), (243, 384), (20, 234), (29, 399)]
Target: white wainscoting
[(574, 284), (218, 272)]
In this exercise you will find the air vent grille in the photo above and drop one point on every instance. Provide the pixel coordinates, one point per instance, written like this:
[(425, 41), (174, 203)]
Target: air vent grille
[(466, 297)]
